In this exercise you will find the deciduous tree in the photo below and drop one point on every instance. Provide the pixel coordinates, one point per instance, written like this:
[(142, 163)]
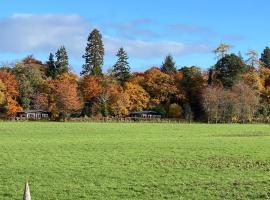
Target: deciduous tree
[(66, 95), (11, 93), (28, 78), (137, 97), (160, 86)]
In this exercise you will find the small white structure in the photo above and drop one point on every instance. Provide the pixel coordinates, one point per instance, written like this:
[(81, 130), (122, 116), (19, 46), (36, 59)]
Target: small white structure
[(26, 195), (32, 115)]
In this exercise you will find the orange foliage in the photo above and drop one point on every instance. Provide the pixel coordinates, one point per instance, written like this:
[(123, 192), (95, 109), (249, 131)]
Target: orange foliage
[(137, 97), (159, 85), (2, 92), (11, 92), (91, 87), (65, 94)]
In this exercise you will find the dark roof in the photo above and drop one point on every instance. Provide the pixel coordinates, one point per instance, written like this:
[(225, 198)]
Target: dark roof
[(149, 112), (33, 111)]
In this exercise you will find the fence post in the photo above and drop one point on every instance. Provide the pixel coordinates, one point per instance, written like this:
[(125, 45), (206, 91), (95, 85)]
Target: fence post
[(26, 195)]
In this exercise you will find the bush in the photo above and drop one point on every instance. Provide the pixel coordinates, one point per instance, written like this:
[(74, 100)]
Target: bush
[(175, 111)]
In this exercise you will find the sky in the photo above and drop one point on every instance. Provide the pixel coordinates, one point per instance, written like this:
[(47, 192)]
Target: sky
[(147, 29)]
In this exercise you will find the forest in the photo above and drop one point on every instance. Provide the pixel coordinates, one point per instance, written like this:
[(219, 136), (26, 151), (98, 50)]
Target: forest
[(234, 90)]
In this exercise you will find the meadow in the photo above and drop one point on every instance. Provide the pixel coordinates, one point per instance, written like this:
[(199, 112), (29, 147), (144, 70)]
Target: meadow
[(134, 161)]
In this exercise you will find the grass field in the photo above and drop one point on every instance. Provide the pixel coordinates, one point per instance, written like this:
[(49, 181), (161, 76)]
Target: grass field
[(134, 161)]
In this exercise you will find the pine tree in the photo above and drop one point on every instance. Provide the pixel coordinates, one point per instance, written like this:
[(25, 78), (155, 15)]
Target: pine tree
[(265, 57), (51, 67), (94, 53), (121, 70), (168, 66), (62, 64)]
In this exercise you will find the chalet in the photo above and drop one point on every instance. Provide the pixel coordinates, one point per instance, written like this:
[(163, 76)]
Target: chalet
[(33, 115), (145, 115)]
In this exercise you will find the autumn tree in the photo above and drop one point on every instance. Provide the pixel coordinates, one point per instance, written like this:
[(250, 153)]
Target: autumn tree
[(211, 102), (28, 78), (11, 93), (94, 53), (119, 104), (247, 102), (138, 98), (254, 80), (91, 87), (222, 50), (253, 60), (159, 86), (62, 63), (2, 92), (168, 66), (40, 101), (66, 95), (107, 96), (175, 111), (121, 70)]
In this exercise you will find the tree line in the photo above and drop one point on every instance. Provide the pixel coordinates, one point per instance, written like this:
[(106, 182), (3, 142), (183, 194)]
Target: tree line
[(234, 89)]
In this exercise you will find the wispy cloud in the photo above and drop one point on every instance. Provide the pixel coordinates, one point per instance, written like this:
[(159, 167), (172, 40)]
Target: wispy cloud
[(191, 29), (132, 29), (233, 38)]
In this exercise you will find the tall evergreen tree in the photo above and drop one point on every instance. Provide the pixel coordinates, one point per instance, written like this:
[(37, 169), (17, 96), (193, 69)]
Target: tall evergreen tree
[(94, 53), (51, 67), (168, 66), (265, 57), (228, 69), (121, 70), (62, 64)]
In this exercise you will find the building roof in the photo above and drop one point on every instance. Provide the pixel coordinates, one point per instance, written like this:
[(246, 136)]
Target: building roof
[(148, 112), (33, 111)]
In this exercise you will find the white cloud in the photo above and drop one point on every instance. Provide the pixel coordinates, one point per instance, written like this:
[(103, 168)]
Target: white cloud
[(42, 33), (35, 33), (152, 49)]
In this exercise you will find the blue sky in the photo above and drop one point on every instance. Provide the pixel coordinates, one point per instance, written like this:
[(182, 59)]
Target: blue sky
[(148, 30)]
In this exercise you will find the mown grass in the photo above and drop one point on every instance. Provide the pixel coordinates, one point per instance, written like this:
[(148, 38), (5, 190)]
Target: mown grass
[(134, 161)]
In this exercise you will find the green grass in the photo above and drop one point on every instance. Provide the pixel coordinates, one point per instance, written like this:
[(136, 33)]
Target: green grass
[(134, 161)]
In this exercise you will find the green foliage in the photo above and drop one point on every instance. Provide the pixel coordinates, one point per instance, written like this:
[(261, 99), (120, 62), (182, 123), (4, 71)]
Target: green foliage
[(121, 70), (229, 68), (192, 84), (51, 67), (134, 161), (28, 78), (265, 57), (168, 66), (94, 53), (62, 64), (160, 109)]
